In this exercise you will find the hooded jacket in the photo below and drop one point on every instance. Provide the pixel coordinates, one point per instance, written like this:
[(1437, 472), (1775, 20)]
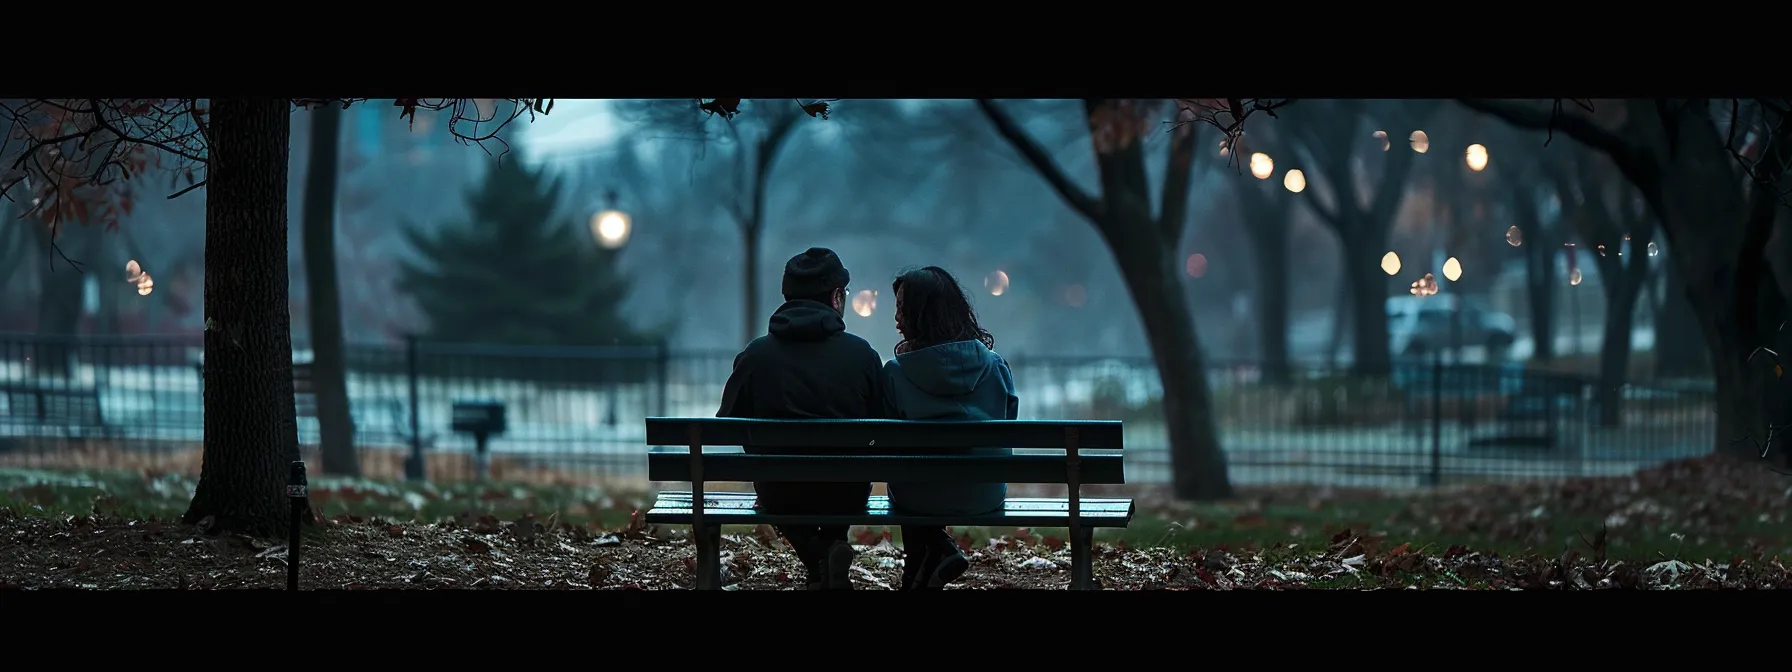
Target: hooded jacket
[(807, 366), (962, 380)]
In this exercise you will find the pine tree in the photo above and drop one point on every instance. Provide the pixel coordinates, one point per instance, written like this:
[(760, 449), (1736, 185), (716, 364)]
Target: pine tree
[(516, 272)]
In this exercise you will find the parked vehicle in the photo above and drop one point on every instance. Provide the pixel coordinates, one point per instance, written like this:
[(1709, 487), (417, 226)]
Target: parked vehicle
[(1418, 325)]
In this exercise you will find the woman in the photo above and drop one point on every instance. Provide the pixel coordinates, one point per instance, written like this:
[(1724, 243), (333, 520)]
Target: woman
[(944, 369)]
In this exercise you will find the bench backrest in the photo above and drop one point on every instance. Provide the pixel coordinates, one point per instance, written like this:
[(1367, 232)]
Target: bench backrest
[(79, 406), (886, 450)]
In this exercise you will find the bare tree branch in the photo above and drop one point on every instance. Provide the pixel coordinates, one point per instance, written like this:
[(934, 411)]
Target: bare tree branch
[(1178, 177), (1029, 149), (1626, 154)]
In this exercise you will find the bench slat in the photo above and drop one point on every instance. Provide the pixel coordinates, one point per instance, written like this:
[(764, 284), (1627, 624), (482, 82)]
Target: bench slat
[(730, 464), (736, 508), (884, 434)]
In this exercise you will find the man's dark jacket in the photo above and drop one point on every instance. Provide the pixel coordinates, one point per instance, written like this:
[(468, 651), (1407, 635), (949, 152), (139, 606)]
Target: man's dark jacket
[(806, 367)]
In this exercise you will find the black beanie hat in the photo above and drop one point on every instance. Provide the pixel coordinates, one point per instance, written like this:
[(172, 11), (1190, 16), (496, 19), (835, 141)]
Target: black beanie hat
[(815, 272)]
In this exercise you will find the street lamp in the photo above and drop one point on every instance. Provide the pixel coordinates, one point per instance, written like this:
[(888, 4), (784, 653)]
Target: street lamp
[(611, 226)]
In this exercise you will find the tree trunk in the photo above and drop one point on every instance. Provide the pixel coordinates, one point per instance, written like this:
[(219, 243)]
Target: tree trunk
[(749, 270), (61, 293), (1717, 226), (250, 435), (329, 368), (1151, 273), (1269, 240), (1341, 308), (1614, 353), (1539, 281), (1369, 304), (1680, 350)]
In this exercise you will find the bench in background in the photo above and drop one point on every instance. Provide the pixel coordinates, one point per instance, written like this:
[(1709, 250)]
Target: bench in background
[(883, 451), (76, 410)]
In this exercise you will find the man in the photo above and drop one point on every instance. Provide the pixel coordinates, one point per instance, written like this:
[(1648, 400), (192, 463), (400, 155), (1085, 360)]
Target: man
[(807, 366)]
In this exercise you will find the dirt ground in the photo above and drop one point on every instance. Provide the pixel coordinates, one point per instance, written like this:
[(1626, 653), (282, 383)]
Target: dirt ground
[(1707, 523)]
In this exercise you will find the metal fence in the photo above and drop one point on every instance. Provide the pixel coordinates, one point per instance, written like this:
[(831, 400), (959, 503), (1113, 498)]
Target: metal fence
[(576, 413)]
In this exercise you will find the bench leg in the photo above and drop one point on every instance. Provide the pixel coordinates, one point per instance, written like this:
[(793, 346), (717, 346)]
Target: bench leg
[(1082, 560), (709, 557)]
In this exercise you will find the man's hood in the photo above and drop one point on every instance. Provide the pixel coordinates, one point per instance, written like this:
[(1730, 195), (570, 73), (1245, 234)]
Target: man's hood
[(947, 369), (806, 321)]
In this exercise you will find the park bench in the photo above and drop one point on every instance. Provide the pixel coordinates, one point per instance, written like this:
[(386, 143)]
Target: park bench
[(74, 409), (904, 451)]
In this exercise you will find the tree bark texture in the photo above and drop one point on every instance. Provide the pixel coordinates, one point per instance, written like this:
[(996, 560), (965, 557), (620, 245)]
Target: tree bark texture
[(250, 434)]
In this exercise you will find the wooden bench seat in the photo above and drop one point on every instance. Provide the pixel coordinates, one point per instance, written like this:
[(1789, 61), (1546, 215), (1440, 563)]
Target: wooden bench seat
[(1073, 453), (736, 508)]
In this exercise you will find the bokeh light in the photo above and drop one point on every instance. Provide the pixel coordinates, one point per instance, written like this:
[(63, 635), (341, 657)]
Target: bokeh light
[(1574, 277), (1196, 266), (1653, 250), (1295, 181), (1390, 263), (1452, 269), (611, 228), (1262, 166), (1423, 287), (1476, 157), (864, 302), (1421, 143), (133, 273), (1225, 148), (1383, 137), (1514, 237), (996, 283)]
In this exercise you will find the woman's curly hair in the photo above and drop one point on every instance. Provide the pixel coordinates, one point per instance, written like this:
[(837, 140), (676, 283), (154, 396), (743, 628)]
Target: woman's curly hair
[(935, 310)]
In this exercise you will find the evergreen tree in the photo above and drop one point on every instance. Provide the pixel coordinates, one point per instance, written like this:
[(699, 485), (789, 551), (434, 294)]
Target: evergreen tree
[(518, 273)]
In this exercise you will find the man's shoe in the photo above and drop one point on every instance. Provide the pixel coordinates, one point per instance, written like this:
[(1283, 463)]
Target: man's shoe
[(947, 569), (837, 566)]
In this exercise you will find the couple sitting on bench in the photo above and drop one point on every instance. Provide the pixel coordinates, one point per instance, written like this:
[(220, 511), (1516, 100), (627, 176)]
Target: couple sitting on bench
[(808, 367)]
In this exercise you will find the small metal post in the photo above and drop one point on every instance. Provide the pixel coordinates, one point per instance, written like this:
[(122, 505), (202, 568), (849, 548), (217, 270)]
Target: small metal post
[(299, 494), (664, 367), (1437, 418), (482, 459), (414, 465)]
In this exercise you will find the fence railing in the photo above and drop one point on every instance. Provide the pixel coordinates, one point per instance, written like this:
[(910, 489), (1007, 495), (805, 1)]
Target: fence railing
[(576, 413)]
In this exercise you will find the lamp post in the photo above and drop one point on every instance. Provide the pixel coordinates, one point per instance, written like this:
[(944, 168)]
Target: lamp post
[(611, 226)]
